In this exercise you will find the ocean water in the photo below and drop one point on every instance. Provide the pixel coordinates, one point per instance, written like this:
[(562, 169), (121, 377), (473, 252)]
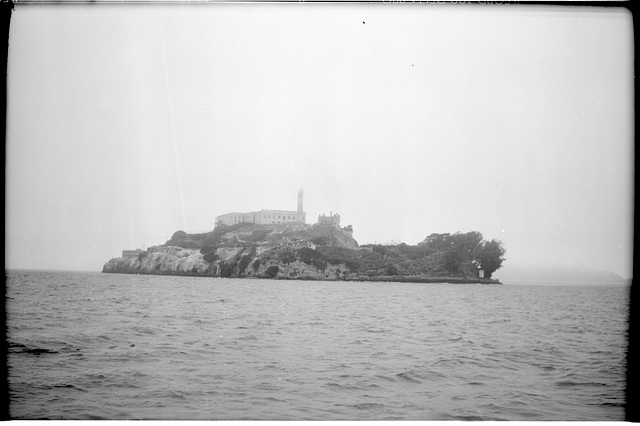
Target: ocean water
[(103, 346)]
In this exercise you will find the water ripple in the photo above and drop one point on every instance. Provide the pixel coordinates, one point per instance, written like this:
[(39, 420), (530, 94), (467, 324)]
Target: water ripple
[(92, 346)]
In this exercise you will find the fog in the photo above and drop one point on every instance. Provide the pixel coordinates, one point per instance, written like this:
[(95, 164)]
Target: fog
[(126, 124)]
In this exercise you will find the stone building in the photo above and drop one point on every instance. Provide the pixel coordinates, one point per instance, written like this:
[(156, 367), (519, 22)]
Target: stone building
[(131, 254), (332, 219), (266, 217)]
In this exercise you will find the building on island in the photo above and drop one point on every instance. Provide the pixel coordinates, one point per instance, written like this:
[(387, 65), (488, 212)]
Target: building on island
[(266, 217), (332, 219), (131, 254)]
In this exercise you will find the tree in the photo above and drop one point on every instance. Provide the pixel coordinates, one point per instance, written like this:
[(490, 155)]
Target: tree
[(179, 235), (287, 256), (380, 249), (467, 244), (491, 256), (453, 260), (437, 242)]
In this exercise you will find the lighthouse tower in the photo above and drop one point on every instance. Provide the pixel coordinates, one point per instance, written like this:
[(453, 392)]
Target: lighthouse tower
[(301, 215)]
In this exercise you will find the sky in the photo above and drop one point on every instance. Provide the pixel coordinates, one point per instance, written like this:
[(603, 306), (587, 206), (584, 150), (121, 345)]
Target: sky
[(128, 123)]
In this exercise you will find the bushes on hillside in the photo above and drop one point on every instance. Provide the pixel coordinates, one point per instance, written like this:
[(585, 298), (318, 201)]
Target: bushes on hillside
[(392, 270), (308, 255), (337, 255), (380, 249), (312, 257), (321, 241), (272, 271), (287, 256), (179, 235)]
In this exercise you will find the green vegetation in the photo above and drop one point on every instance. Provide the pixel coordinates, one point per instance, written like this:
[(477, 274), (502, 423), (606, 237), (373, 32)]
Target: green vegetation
[(457, 255), (272, 271), (338, 255), (321, 240), (214, 238), (452, 255), (287, 256), (210, 256), (466, 252), (312, 257), (491, 256)]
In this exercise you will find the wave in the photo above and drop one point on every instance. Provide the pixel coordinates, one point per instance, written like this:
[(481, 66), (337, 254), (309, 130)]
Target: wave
[(508, 355)]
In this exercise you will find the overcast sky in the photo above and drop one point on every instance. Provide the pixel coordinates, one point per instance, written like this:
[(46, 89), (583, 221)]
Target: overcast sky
[(128, 123)]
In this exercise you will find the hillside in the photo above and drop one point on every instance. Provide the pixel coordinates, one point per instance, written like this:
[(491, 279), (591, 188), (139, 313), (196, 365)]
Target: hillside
[(298, 251)]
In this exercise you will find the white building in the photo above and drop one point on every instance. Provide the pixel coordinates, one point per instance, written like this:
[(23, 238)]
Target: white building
[(266, 217)]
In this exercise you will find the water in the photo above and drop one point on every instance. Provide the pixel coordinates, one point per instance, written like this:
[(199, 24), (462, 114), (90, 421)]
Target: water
[(102, 346)]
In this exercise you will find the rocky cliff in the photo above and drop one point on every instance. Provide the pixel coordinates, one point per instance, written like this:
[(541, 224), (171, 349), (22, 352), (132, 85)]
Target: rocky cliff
[(162, 260), (295, 251), (245, 250)]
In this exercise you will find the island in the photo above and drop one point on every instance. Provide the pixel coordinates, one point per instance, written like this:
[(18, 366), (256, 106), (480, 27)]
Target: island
[(323, 251)]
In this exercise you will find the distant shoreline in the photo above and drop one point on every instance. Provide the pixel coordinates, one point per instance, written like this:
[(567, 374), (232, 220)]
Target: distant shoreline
[(381, 278), (429, 280), (396, 279)]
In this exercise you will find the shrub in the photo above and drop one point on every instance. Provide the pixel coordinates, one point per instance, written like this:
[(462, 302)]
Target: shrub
[(321, 241), (256, 265), (272, 271), (212, 240), (453, 260), (337, 255), (308, 255), (392, 270), (320, 264), (179, 235), (380, 249), (210, 257), (287, 256), (208, 249)]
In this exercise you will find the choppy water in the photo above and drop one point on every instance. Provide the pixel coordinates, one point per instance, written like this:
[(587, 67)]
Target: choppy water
[(102, 346)]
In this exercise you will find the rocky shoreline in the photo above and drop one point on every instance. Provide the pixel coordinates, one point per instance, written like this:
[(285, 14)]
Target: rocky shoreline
[(295, 252)]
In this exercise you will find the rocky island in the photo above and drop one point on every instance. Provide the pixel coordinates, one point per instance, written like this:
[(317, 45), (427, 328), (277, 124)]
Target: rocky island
[(314, 252)]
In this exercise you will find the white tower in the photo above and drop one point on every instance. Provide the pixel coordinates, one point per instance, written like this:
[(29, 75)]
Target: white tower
[(300, 209)]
